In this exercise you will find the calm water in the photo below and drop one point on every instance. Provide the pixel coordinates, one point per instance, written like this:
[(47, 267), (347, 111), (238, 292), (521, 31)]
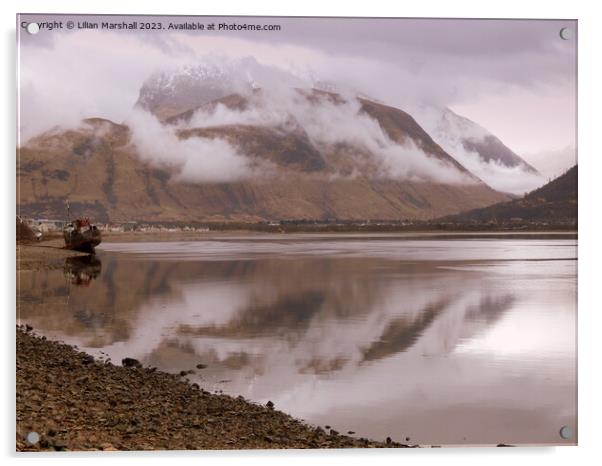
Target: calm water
[(444, 341)]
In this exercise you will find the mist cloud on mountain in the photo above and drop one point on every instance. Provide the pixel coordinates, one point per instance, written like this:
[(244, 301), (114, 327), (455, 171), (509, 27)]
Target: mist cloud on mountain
[(191, 160), (325, 122)]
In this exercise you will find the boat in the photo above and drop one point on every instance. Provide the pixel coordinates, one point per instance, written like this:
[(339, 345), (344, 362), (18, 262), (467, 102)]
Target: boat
[(81, 235)]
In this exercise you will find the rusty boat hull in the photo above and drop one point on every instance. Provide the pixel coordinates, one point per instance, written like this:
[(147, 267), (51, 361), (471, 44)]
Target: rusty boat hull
[(82, 240)]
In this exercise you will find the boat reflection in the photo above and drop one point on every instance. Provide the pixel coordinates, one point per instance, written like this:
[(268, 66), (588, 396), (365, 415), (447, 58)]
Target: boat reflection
[(81, 270)]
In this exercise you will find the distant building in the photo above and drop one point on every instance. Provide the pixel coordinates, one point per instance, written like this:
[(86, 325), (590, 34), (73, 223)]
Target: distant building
[(45, 225), (129, 226)]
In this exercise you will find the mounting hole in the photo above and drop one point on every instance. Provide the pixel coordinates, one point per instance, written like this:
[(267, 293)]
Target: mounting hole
[(33, 28), (32, 438), (566, 432), (566, 34)]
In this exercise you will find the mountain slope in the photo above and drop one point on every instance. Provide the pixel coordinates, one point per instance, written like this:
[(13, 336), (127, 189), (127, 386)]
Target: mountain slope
[(480, 151), (172, 92), (555, 202), (398, 125), (106, 173)]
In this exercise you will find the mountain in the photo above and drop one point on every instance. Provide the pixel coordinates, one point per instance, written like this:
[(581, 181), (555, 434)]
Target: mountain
[(398, 126), (553, 203), (296, 167), (480, 151), (170, 92)]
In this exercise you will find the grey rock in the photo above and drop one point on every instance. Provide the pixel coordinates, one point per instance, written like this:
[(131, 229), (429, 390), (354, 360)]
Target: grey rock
[(130, 362)]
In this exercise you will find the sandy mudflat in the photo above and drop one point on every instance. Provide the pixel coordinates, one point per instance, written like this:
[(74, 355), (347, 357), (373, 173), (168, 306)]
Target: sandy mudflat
[(77, 403), (48, 254)]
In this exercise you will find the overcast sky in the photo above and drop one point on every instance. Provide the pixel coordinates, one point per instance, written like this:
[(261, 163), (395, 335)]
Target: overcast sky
[(514, 77)]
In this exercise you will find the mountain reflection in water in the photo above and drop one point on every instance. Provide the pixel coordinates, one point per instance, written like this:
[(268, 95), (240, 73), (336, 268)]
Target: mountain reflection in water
[(469, 341)]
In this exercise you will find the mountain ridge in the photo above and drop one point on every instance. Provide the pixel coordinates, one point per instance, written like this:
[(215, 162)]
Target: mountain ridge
[(103, 174), (479, 150), (555, 202)]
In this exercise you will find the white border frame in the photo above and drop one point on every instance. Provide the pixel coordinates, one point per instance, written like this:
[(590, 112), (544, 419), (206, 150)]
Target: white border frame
[(589, 142)]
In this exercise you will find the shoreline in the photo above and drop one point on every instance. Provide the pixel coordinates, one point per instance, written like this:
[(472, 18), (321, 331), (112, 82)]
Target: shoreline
[(49, 253), (45, 254), (76, 402), (136, 236)]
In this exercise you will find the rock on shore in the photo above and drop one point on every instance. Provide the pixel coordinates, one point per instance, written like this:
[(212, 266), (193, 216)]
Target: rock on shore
[(76, 403)]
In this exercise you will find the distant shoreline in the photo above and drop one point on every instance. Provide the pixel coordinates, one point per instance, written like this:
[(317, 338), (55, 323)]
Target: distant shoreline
[(135, 236), (50, 253)]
